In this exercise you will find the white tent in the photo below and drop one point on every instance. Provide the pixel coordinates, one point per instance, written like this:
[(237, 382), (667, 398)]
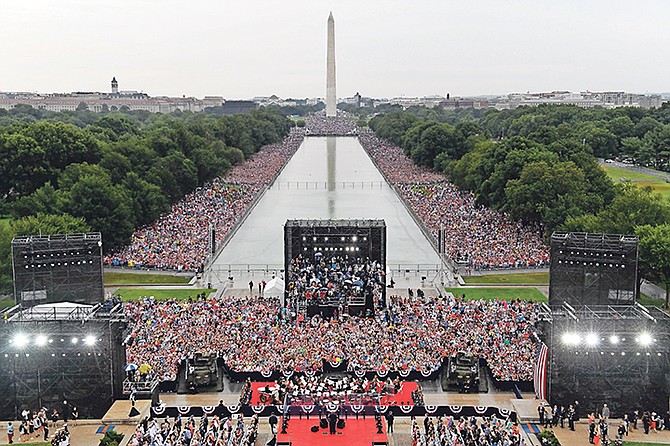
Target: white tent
[(274, 288)]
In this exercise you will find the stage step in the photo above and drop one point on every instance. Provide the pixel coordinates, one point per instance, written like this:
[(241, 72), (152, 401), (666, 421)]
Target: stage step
[(119, 413)]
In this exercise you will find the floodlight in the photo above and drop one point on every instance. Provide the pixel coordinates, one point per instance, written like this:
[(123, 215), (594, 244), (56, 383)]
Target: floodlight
[(21, 340), (570, 338), (591, 339), (41, 340), (74, 340), (614, 339), (354, 238), (89, 340), (644, 339)]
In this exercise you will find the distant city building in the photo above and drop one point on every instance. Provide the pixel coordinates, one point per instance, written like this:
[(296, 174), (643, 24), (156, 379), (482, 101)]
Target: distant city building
[(265, 101), (134, 100), (115, 100), (587, 99)]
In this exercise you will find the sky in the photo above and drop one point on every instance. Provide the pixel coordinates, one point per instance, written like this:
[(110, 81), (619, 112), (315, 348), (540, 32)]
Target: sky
[(384, 48)]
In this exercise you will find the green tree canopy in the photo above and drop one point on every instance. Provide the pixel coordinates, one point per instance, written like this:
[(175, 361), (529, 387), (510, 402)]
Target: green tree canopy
[(654, 254)]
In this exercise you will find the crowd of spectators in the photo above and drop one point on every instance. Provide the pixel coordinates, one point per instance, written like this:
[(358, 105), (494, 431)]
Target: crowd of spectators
[(448, 431), (208, 431), (319, 125), (334, 277), (475, 235), (410, 334), (43, 425), (179, 239)]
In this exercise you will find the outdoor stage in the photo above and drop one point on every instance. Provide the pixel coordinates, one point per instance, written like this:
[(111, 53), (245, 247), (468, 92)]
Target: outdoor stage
[(499, 399), (356, 432)]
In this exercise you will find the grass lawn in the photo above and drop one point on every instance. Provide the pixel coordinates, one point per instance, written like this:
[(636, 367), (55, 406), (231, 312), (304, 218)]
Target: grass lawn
[(650, 301), (502, 279), (490, 293), (6, 303), (640, 179), (4, 222), (136, 278), (633, 443), (160, 294)]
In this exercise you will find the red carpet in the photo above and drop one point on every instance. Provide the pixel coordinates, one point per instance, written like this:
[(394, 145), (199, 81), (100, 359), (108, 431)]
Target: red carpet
[(355, 433), (402, 398)]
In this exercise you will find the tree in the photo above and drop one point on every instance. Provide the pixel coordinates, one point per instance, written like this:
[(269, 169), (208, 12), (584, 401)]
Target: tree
[(631, 207), (654, 254), (393, 126), (6, 236), (76, 171), (602, 141), (546, 194), (507, 163), (23, 165), (183, 170), (115, 164), (105, 207), (210, 161), (64, 144), (148, 201), (412, 137), (119, 125), (45, 200), (48, 224)]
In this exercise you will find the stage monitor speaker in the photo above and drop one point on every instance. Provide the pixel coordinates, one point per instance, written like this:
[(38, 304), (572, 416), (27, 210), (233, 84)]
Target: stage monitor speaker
[(323, 423), (340, 424), (314, 428)]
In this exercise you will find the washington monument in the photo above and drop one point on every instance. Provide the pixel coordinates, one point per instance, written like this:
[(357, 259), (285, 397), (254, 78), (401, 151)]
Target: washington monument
[(331, 96)]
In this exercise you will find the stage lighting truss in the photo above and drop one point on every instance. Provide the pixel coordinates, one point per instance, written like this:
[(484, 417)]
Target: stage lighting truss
[(588, 342), (24, 342)]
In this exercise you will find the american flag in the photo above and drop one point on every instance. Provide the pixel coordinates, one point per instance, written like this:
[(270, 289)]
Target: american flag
[(540, 372)]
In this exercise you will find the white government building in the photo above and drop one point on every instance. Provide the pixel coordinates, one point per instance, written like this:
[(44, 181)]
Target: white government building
[(116, 100)]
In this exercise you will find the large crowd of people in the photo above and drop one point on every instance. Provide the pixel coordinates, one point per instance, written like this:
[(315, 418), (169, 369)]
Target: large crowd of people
[(319, 125), (474, 235), (414, 334), (208, 431), (448, 431), (334, 278), (179, 240)]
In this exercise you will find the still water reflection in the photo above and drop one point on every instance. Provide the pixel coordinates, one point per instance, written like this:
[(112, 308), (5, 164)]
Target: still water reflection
[(327, 178)]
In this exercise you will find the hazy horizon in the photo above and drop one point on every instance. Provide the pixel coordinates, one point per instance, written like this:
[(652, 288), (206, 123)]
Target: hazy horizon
[(383, 49)]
